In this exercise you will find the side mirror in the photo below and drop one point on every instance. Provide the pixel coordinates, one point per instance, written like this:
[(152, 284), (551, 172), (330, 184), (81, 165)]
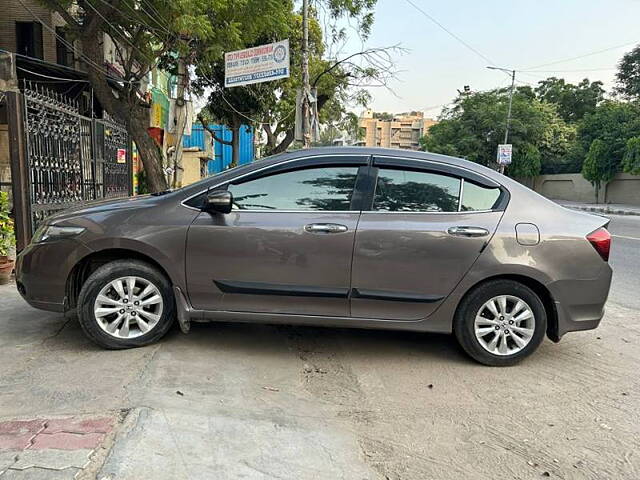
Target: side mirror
[(219, 201)]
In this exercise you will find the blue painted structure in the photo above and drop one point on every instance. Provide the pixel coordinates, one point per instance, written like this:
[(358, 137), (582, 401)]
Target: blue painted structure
[(222, 153)]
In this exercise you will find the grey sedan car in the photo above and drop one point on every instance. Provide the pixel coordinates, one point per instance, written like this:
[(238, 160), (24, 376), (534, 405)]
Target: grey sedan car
[(342, 237)]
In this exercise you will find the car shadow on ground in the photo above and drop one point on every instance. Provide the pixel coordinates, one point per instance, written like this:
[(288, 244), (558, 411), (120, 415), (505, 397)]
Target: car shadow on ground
[(59, 333)]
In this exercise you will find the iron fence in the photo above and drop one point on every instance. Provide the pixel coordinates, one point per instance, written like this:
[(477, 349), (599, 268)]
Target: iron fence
[(69, 158)]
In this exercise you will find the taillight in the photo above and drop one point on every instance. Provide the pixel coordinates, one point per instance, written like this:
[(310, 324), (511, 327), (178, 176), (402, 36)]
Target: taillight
[(601, 241)]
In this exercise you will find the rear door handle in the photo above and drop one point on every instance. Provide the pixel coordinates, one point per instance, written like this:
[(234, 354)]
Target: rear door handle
[(325, 228), (463, 231)]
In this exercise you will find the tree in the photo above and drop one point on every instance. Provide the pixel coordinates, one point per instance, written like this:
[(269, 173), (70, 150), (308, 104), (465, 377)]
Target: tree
[(628, 76), (614, 123), (595, 167), (572, 101), (526, 162), (152, 33), (631, 159), (475, 125), (383, 116), (339, 81)]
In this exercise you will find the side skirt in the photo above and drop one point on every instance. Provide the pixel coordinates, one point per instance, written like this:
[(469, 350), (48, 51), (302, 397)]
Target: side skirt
[(186, 314)]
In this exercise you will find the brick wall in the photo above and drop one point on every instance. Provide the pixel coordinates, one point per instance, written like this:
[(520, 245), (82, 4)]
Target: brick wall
[(13, 11)]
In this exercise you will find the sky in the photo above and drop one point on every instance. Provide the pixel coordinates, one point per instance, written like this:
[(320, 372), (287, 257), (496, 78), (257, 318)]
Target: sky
[(514, 34)]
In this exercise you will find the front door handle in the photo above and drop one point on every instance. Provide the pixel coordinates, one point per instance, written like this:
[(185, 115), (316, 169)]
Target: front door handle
[(463, 231), (325, 228)]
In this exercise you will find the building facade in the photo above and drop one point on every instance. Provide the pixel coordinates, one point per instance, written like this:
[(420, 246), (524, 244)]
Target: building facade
[(397, 131)]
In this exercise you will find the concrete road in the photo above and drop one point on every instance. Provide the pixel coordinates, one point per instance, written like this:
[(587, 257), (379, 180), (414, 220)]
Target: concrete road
[(625, 260), (262, 402)]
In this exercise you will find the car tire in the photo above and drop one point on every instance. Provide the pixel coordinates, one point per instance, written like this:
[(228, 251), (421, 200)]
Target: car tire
[(482, 310), (157, 307)]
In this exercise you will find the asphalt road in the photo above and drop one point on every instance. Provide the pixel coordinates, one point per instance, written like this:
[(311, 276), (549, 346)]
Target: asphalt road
[(625, 260), (233, 401)]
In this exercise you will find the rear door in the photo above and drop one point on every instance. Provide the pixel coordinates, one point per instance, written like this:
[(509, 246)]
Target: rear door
[(426, 225), (287, 245)]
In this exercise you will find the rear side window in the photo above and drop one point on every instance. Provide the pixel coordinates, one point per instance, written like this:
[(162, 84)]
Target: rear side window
[(325, 188), (476, 197), (415, 191)]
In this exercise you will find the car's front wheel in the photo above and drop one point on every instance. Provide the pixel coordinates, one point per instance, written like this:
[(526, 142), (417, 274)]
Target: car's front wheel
[(500, 322), (125, 304)]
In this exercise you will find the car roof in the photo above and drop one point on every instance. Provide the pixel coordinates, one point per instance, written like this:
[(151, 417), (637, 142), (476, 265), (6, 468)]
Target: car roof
[(363, 151)]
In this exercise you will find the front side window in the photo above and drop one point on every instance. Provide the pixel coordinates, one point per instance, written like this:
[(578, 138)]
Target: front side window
[(323, 188), (415, 191)]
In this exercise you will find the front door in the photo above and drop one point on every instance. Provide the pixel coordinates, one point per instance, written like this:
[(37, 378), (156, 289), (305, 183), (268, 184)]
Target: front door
[(287, 245), (423, 232)]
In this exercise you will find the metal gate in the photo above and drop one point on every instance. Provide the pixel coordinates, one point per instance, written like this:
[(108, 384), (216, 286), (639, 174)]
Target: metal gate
[(68, 159)]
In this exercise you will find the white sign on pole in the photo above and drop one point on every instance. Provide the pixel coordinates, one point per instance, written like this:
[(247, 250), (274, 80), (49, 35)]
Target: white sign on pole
[(504, 153), (257, 64)]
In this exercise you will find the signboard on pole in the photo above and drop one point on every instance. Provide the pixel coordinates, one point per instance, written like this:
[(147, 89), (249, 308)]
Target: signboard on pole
[(504, 153), (257, 64)]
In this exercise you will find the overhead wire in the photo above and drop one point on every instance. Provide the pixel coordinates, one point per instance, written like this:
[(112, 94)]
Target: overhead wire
[(86, 59), (570, 59)]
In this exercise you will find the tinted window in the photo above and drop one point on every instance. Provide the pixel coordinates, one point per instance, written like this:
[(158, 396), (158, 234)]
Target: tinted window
[(475, 197), (328, 188), (413, 191)]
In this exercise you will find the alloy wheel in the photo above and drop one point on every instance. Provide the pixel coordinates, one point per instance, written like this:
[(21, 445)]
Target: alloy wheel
[(128, 307), (504, 325)]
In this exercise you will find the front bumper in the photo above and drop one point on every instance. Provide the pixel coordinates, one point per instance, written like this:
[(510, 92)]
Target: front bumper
[(42, 271)]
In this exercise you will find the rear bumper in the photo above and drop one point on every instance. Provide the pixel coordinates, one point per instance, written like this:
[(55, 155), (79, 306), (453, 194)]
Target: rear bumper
[(579, 304)]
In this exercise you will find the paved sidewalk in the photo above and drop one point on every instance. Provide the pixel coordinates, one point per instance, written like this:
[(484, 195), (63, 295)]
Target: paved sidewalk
[(605, 208), (50, 448)]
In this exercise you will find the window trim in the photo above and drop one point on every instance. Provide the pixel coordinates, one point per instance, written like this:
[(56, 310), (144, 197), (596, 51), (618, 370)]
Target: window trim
[(346, 160), (427, 166)]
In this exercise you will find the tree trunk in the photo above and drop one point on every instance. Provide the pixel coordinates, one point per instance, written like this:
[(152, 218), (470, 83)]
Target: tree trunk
[(149, 150), (126, 106)]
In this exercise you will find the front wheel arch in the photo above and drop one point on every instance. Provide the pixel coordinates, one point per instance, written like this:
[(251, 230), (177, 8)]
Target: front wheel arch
[(90, 263)]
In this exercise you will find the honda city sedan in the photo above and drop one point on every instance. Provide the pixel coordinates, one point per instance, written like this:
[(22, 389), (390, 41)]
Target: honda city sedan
[(339, 237)]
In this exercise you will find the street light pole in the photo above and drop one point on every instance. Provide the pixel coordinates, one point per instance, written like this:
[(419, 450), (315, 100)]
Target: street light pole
[(513, 81), (306, 126)]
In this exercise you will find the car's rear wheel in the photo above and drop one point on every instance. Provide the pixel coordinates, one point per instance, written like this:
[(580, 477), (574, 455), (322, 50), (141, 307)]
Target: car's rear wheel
[(500, 322), (125, 304)]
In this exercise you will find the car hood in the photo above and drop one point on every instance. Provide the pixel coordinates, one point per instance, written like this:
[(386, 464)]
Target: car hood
[(103, 206)]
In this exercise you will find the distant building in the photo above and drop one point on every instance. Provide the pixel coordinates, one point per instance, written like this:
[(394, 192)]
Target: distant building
[(394, 131)]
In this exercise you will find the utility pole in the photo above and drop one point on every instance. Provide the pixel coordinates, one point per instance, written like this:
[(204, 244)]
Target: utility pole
[(508, 126), (306, 113)]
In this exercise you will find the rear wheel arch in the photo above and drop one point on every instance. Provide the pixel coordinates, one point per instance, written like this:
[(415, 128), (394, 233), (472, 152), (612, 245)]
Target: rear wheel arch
[(90, 263), (539, 289)]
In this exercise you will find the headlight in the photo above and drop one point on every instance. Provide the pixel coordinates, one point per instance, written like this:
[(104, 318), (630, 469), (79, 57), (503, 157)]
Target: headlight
[(54, 232)]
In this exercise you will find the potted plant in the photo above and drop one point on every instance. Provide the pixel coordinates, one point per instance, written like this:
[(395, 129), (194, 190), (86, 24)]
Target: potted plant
[(7, 239)]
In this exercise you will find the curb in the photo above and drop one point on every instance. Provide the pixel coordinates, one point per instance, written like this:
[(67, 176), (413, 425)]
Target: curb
[(605, 210)]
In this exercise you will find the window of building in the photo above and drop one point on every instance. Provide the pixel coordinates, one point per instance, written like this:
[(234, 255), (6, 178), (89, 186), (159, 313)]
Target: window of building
[(29, 39), (415, 191), (328, 188), (64, 54), (476, 197)]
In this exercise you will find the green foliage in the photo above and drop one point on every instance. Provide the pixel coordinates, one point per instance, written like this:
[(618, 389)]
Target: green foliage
[(595, 168), (525, 162), (475, 125), (384, 116), (572, 101), (7, 237), (631, 159), (271, 105), (614, 123), (628, 76)]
